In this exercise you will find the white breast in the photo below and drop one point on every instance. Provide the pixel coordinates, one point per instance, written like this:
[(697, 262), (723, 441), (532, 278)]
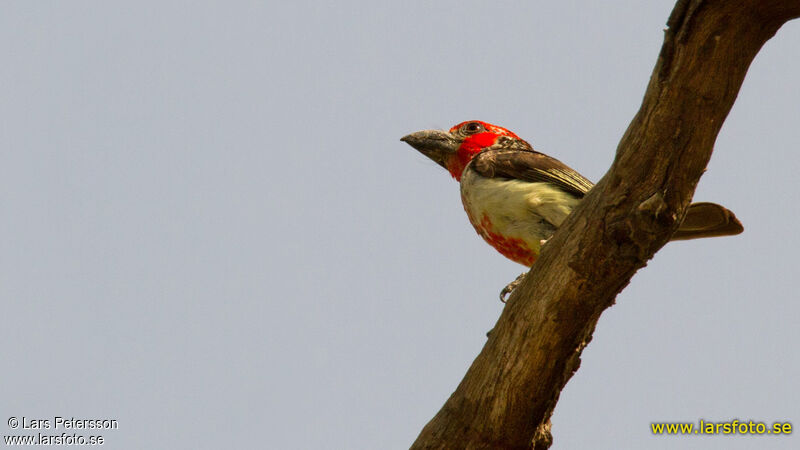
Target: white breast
[(514, 208)]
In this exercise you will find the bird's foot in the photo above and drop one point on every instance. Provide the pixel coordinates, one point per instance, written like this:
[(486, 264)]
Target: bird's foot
[(510, 287)]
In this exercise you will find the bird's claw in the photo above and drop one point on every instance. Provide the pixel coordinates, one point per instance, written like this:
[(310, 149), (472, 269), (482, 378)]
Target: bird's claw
[(510, 287)]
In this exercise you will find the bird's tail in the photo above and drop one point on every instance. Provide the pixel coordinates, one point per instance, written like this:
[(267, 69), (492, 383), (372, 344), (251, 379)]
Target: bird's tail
[(707, 220)]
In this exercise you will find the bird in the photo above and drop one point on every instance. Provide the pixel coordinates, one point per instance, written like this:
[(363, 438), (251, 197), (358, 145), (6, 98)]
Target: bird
[(516, 197)]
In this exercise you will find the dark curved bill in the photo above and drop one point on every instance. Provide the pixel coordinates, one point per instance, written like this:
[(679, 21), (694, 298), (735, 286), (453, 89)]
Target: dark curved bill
[(435, 144)]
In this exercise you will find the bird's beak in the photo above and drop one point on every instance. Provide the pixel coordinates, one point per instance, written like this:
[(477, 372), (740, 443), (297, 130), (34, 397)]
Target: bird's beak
[(435, 144)]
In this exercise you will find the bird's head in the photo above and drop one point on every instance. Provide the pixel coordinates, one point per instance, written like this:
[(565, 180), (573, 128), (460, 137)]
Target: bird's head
[(454, 149)]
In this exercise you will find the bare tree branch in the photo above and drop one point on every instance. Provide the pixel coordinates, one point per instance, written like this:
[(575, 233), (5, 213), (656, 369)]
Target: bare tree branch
[(507, 397)]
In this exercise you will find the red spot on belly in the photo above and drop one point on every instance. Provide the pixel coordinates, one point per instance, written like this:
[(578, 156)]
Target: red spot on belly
[(512, 248)]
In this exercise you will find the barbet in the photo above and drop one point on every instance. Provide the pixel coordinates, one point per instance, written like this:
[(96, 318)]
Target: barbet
[(516, 197)]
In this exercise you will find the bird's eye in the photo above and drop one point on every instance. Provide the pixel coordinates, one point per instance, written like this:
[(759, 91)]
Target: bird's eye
[(473, 127)]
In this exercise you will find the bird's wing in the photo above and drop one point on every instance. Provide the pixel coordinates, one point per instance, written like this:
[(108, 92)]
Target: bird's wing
[(532, 166)]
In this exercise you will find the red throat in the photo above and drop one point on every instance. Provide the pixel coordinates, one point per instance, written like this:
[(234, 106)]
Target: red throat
[(471, 146)]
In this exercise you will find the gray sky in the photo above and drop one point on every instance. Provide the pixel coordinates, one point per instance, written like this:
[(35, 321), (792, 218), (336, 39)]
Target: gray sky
[(213, 234)]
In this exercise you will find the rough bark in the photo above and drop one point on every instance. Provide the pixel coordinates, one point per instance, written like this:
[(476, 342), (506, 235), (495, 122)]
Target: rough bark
[(508, 395)]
